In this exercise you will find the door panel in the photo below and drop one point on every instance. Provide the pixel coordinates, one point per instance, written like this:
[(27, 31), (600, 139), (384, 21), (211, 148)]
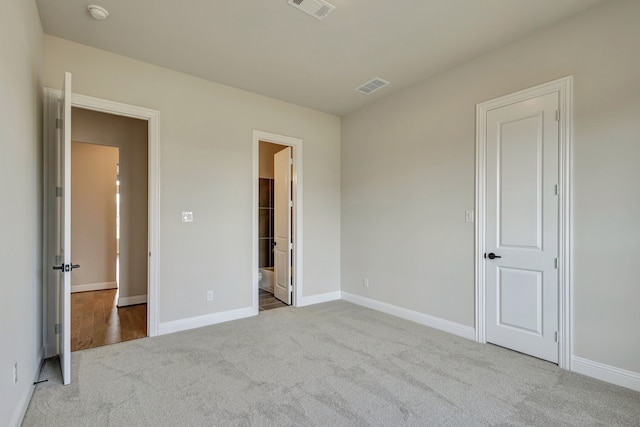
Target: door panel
[(522, 292), (520, 175), (522, 226), (282, 225)]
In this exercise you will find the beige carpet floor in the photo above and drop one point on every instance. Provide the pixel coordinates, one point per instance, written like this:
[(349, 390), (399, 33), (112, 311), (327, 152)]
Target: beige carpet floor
[(332, 364)]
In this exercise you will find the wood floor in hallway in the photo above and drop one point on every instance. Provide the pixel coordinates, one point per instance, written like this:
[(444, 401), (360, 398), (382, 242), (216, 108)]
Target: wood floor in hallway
[(97, 321)]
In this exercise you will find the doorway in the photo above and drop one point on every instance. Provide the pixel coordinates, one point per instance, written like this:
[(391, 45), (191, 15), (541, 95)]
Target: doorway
[(109, 230), (277, 221), (275, 206), (523, 290), (57, 292)]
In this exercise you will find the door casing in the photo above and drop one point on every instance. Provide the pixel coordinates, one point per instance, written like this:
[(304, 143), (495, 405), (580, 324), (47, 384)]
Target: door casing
[(296, 144), (564, 88), (153, 275)]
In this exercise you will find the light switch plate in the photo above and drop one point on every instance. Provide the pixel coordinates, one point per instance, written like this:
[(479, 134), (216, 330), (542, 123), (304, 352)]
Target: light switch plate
[(187, 216), (468, 216)]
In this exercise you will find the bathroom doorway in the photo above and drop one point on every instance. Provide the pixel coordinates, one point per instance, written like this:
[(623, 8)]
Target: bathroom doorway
[(274, 212), (277, 224)]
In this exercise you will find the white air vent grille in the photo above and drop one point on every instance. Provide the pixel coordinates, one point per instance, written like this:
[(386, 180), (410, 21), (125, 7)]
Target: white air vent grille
[(319, 9), (372, 85)]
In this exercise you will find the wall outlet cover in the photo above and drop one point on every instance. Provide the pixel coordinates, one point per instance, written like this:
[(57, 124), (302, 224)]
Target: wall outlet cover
[(187, 216)]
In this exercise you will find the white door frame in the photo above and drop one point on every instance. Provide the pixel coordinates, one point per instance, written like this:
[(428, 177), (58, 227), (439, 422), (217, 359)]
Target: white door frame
[(153, 274), (296, 144), (564, 88)]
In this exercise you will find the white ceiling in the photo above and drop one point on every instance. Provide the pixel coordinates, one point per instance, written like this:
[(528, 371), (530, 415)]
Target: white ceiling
[(270, 48)]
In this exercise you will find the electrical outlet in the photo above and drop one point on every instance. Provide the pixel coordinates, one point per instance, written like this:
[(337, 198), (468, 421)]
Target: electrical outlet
[(15, 373), (209, 295), (365, 283)]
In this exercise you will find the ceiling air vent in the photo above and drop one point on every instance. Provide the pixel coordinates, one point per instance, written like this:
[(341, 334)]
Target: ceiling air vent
[(372, 85), (319, 9)]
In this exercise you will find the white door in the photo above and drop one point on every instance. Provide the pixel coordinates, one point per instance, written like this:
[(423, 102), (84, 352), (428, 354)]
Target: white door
[(63, 229), (522, 227), (282, 225)]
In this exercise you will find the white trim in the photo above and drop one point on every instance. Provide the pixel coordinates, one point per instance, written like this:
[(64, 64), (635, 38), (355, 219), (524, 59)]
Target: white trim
[(608, 373), (153, 119), (23, 403), (414, 316), (297, 217), (320, 298), (205, 320), (563, 87), (136, 299), (100, 286)]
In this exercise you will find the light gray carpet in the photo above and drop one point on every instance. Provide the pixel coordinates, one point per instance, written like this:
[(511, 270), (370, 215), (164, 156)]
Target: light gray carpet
[(333, 364)]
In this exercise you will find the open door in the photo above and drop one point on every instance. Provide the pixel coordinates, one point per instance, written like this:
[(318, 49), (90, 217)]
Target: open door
[(283, 205), (63, 229)]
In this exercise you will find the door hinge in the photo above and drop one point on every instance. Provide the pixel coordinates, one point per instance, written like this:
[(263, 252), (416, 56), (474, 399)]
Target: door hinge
[(290, 246), (555, 336), (556, 189), (58, 191), (557, 115), (291, 161), (555, 263), (290, 203), (58, 123), (56, 328)]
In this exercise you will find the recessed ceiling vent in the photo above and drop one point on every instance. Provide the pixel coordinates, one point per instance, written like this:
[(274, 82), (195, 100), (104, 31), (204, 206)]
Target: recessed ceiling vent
[(319, 9), (372, 85)]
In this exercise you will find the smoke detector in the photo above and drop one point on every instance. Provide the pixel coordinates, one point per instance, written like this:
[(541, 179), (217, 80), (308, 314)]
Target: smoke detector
[(98, 12), (372, 85), (319, 9)]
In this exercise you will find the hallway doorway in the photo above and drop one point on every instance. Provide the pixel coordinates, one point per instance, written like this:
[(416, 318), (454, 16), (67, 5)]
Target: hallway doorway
[(109, 236)]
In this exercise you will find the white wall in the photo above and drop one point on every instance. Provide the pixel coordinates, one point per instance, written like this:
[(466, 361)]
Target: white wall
[(408, 176), (93, 213), (206, 167), (20, 224), (130, 136)]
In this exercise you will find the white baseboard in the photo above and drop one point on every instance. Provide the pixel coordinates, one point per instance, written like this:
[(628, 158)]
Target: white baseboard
[(23, 402), (100, 286), (424, 319), (136, 299), (320, 298), (205, 320), (608, 373)]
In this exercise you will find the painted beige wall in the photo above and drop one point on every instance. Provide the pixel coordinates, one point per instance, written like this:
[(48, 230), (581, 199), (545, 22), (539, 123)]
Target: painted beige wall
[(93, 213), (266, 151), (130, 137), (206, 167), (21, 222), (408, 176)]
